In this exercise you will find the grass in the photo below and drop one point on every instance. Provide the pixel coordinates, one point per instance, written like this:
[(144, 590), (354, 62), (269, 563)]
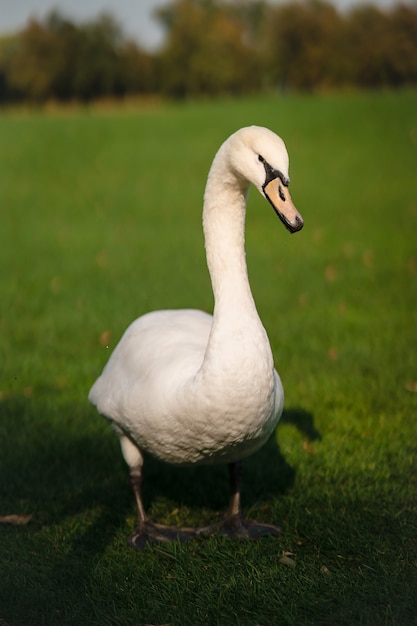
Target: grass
[(100, 222)]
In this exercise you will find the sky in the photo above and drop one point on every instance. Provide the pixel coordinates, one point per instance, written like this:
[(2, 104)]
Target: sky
[(134, 16)]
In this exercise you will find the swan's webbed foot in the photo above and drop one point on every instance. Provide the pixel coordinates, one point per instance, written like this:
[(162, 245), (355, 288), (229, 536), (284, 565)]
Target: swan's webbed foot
[(239, 528), (232, 527), (149, 533), (233, 524), (235, 527)]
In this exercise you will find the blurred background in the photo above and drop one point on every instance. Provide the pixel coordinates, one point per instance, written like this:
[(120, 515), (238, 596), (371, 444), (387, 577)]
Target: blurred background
[(85, 50)]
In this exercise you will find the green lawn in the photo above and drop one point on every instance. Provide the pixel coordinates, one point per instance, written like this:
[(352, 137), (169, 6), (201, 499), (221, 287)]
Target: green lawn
[(101, 222)]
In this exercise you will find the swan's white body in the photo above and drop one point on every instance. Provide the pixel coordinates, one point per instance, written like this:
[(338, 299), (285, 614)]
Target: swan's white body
[(189, 387), (155, 390)]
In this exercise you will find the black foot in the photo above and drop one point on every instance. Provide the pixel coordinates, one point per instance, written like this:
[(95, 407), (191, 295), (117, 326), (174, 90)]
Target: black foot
[(231, 527), (237, 528), (155, 534)]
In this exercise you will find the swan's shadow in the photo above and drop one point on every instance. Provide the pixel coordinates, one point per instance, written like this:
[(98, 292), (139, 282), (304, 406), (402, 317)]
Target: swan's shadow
[(303, 421), (61, 474), (85, 471)]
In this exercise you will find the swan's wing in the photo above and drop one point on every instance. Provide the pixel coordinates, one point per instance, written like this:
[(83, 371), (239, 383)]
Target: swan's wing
[(158, 351), (279, 395)]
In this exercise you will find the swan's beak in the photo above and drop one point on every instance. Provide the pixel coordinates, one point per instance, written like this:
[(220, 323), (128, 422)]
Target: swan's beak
[(279, 196)]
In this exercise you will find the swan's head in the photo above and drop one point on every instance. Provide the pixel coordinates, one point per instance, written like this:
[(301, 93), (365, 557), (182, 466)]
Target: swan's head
[(259, 156)]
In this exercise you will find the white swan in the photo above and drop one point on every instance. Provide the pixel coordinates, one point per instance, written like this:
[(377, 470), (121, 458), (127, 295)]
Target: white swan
[(193, 388)]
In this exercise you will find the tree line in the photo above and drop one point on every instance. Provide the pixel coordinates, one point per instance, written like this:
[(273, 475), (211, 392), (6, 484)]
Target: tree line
[(213, 47)]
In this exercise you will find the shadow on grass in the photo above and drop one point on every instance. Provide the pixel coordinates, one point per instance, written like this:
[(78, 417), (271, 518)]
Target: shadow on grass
[(64, 465), (303, 421), (71, 565), (60, 467)]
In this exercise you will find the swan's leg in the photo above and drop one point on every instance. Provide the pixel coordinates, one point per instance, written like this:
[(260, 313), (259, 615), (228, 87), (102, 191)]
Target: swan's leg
[(135, 474), (233, 524), (146, 531), (233, 517), (134, 459)]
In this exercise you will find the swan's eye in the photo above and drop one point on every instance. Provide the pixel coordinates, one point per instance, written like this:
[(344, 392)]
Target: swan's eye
[(281, 193), (261, 159)]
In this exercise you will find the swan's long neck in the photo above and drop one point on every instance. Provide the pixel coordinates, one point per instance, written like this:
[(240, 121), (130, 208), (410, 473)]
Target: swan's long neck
[(236, 379), (236, 324), (224, 232)]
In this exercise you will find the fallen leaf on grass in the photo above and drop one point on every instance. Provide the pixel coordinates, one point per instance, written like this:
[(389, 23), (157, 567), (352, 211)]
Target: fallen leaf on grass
[(307, 447), (288, 558), (16, 520), (330, 273), (105, 338), (368, 258), (411, 386), (325, 570), (332, 353), (412, 265)]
